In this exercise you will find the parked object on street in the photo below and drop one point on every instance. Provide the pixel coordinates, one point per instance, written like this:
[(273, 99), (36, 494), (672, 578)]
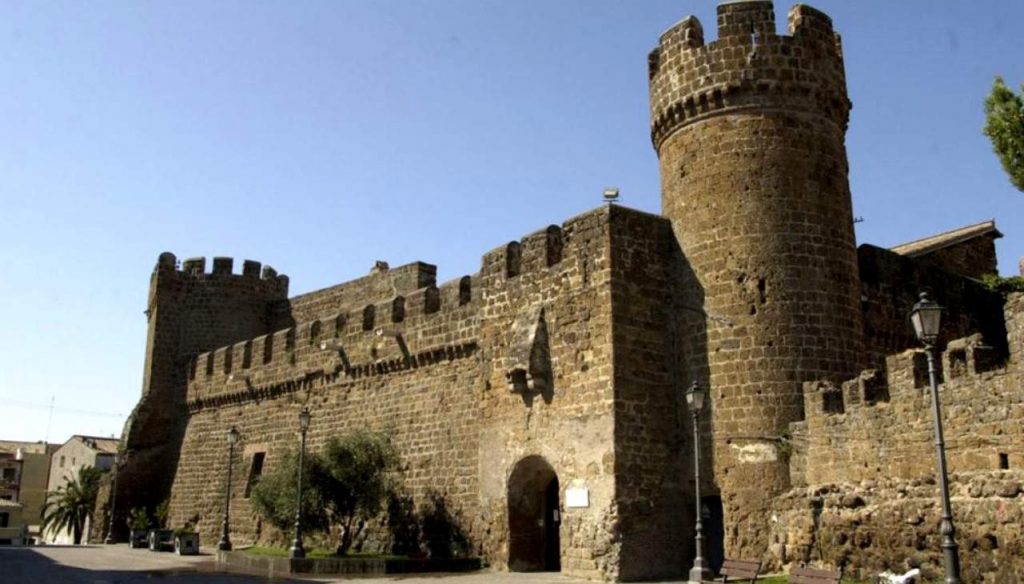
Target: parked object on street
[(161, 539), (186, 543)]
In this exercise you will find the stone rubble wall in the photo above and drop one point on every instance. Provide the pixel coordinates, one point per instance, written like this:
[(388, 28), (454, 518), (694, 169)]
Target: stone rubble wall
[(863, 463)]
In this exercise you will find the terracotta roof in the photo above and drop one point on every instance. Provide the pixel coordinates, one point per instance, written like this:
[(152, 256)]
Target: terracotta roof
[(939, 241), (103, 445)]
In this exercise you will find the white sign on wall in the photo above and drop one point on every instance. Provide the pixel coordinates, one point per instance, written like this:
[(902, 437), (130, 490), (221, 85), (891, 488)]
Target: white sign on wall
[(577, 497)]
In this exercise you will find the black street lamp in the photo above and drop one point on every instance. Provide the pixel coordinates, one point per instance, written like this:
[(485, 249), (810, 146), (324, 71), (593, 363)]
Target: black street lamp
[(113, 499), (695, 399), (225, 539), (297, 550), (926, 317)]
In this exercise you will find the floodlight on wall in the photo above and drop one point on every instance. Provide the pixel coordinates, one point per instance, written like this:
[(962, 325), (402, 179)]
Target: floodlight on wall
[(337, 347), (611, 194), (397, 335)]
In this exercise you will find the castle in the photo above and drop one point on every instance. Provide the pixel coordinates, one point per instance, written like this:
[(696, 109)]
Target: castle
[(542, 398)]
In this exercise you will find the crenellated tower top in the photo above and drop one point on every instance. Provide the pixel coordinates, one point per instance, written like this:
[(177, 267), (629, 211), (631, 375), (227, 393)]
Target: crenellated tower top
[(750, 65)]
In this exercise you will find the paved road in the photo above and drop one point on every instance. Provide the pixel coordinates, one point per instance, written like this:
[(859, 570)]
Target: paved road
[(116, 564)]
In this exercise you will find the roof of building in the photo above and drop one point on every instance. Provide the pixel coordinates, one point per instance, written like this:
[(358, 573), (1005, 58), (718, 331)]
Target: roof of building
[(946, 239), (102, 445), (38, 447)]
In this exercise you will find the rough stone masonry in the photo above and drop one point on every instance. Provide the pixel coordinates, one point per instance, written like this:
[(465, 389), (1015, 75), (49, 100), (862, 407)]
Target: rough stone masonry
[(539, 403)]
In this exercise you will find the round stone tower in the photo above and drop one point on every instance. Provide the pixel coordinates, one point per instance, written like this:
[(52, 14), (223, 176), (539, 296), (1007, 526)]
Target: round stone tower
[(749, 130)]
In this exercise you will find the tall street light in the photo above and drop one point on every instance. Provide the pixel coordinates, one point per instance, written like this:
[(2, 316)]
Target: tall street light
[(225, 539), (297, 550), (695, 399), (113, 499), (926, 317)]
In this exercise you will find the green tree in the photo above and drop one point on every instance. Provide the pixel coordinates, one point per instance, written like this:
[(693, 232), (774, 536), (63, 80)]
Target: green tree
[(274, 496), (70, 506), (354, 476), (1004, 126)]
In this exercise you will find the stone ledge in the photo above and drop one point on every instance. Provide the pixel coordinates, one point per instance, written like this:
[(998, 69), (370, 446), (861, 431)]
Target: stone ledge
[(275, 567)]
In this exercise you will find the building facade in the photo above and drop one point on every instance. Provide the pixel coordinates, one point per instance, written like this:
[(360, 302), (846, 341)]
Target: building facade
[(24, 469), (66, 461), (540, 401)]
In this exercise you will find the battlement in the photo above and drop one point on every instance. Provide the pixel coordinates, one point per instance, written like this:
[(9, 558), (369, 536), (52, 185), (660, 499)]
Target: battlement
[(748, 66), (265, 278), (883, 416), (427, 326)]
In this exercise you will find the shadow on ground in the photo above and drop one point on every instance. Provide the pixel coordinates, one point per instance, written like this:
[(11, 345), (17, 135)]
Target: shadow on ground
[(23, 565)]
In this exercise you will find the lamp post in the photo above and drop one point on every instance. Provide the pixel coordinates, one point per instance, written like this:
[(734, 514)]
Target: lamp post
[(695, 399), (225, 539), (926, 317), (113, 499), (297, 550)]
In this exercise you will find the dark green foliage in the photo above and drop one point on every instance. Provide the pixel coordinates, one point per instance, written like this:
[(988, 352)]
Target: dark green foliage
[(353, 476), (1004, 126), (997, 283), (274, 496), (138, 519), (72, 504), (162, 513)]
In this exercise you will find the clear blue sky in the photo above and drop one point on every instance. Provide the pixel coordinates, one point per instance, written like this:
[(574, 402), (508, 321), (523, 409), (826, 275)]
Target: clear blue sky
[(321, 136)]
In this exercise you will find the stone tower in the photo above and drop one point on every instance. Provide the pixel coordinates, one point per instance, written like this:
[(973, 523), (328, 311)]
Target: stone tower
[(749, 130), (189, 311)]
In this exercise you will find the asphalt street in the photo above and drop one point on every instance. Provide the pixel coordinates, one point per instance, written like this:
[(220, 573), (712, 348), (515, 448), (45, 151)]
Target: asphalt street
[(117, 564)]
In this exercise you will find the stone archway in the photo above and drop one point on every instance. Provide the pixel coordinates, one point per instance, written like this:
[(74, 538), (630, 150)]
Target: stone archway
[(534, 517)]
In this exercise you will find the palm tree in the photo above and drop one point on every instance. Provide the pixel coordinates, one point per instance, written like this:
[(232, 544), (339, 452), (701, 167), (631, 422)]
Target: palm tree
[(72, 504)]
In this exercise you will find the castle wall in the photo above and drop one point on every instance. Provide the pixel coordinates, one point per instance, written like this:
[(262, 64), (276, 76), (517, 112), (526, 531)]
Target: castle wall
[(421, 389), (864, 463), (564, 277), (509, 365), (654, 488), (891, 284), (973, 258), (749, 131), (381, 285)]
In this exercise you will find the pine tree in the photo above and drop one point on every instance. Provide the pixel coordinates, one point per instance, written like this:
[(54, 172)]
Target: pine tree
[(1004, 125)]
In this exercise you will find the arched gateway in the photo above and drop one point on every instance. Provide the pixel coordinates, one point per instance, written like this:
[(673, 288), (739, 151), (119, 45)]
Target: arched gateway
[(533, 517)]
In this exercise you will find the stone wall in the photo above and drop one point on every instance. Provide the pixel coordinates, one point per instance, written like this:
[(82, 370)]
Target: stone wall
[(472, 380), (891, 284), (864, 464), (973, 258)]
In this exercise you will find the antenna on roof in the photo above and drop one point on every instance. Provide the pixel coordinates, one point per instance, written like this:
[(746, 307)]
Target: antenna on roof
[(50, 418), (611, 194)]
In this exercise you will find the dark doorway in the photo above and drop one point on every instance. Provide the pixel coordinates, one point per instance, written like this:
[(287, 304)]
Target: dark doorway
[(534, 517), (714, 531)]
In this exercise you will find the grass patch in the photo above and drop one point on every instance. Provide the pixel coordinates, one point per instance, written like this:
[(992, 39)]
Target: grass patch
[(784, 579)]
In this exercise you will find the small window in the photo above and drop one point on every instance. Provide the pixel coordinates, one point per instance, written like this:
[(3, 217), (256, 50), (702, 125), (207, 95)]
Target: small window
[(1004, 461), (4, 519), (62, 461), (73, 461), (314, 333), (369, 315), (255, 471), (9, 474)]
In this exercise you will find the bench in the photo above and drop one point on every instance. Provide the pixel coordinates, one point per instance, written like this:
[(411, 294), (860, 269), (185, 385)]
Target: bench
[(736, 570), (807, 575)]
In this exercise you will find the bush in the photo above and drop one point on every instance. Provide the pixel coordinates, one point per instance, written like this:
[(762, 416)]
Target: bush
[(353, 475), (274, 496), (138, 519)]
